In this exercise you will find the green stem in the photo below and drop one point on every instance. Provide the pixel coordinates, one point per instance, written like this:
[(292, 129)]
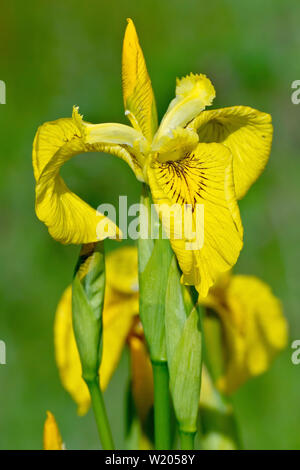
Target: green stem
[(162, 409), (187, 440), (100, 414)]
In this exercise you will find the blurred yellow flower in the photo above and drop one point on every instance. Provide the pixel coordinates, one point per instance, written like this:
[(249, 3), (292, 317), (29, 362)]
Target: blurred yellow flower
[(254, 327), (194, 157), (52, 437), (141, 372), (254, 330), (120, 326)]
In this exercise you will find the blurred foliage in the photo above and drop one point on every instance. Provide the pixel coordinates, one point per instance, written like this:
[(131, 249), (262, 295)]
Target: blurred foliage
[(55, 54)]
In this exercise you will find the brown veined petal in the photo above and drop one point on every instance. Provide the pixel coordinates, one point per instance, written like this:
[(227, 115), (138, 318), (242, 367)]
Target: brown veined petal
[(69, 219), (139, 101), (246, 132), (201, 184), (52, 439), (254, 326)]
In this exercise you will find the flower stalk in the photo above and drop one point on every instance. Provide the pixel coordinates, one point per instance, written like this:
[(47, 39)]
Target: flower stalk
[(100, 414), (184, 341), (187, 440), (87, 304), (162, 406), (154, 261)]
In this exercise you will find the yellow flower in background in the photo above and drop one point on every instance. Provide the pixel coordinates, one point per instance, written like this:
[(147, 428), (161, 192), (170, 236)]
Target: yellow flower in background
[(141, 372), (254, 331), (195, 157), (254, 327), (52, 438), (120, 327)]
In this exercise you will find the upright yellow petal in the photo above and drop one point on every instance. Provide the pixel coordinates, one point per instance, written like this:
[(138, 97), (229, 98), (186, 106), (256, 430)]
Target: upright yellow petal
[(246, 132), (138, 95), (193, 94), (68, 218), (120, 309), (52, 437), (254, 326), (202, 180)]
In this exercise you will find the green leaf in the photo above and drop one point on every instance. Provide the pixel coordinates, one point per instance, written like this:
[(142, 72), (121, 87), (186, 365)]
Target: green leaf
[(87, 304), (184, 350), (185, 373), (175, 311), (154, 261)]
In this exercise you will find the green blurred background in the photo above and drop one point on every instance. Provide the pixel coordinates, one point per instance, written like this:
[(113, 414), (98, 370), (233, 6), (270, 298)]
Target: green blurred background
[(55, 54)]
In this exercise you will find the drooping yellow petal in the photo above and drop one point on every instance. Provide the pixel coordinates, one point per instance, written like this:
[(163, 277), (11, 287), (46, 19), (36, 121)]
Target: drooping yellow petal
[(254, 326), (246, 132), (52, 438), (68, 218), (199, 190), (193, 94), (139, 101), (141, 376), (119, 311)]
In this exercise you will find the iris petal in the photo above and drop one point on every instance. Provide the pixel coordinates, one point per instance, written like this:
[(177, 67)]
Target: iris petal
[(138, 95), (193, 94), (202, 179), (52, 437), (69, 219), (246, 132), (254, 327)]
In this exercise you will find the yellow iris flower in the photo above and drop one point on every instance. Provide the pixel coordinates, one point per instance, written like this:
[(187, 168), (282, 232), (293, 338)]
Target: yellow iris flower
[(253, 326), (52, 438), (120, 326), (251, 316), (194, 157)]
